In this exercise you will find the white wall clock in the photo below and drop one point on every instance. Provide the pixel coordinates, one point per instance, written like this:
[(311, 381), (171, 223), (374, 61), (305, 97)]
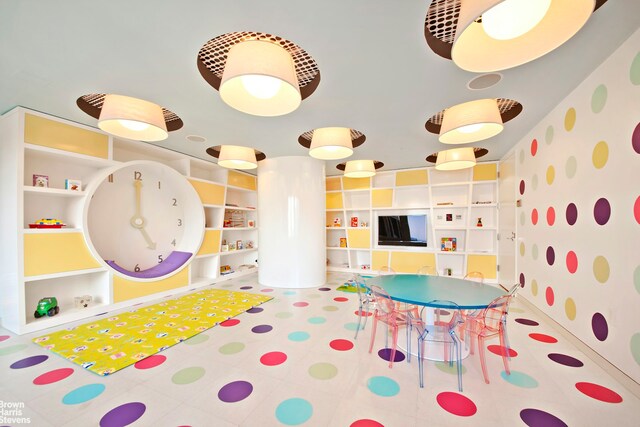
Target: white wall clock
[(143, 219)]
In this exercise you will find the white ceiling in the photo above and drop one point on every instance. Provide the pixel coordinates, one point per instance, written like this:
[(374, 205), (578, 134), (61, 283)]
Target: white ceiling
[(377, 73)]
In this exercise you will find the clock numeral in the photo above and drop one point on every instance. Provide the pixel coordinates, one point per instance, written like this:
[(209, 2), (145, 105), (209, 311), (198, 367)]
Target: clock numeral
[(160, 259), (179, 222), (137, 175), (136, 268), (173, 242), (175, 202), (159, 185)]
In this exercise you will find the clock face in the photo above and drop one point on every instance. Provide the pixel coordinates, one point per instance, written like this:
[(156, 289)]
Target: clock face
[(140, 213)]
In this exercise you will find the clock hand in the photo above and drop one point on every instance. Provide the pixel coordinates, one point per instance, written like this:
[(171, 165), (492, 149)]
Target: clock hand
[(137, 220), (150, 243)]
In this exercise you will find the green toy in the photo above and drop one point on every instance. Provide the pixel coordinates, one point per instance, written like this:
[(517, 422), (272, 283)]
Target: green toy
[(48, 306)]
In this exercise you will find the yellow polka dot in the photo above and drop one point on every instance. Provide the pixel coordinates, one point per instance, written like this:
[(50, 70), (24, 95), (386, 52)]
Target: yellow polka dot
[(600, 155), (551, 175), (570, 119), (570, 308), (601, 269), (521, 248), (534, 287)]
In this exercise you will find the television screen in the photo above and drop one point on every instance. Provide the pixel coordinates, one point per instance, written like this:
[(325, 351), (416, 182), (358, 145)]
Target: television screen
[(402, 230)]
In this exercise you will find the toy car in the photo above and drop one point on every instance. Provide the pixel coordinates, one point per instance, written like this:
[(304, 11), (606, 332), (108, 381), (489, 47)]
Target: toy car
[(47, 306)]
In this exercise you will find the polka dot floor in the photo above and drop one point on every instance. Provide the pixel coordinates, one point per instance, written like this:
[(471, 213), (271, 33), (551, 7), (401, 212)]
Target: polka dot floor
[(294, 361)]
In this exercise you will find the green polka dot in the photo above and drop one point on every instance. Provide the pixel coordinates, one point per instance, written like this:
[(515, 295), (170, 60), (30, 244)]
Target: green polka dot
[(519, 379), (570, 119), (523, 218), (231, 348), (548, 136), (570, 167), (600, 155), (330, 308), (188, 375), (534, 182), (200, 338), (383, 386), (317, 320), (634, 72), (636, 279), (599, 99), (314, 296), (635, 347), (521, 248), (570, 308), (521, 156), (534, 252), (323, 371), (551, 174), (534, 287), (601, 269), (284, 315), (450, 369), (12, 349), (293, 412), (298, 336)]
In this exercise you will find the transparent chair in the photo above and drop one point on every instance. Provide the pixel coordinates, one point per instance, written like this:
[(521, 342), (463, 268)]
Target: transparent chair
[(366, 301), (475, 276), (390, 314), (490, 322), (427, 270), (441, 332), (386, 270)]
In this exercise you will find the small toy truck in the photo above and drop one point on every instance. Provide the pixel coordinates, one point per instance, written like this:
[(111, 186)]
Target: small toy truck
[(47, 306)]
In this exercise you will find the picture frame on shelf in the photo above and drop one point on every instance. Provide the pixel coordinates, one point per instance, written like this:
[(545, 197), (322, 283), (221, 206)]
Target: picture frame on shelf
[(73, 184), (449, 217), (343, 242), (448, 244), (239, 244), (40, 181)]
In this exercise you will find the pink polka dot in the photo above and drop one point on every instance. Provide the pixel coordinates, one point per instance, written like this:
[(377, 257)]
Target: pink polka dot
[(230, 322), (551, 215), (549, 295), (266, 290), (341, 345), (500, 351), (636, 210), (300, 304), (534, 147), (273, 358), (599, 392), (4, 337), (53, 376), (456, 404), (363, 313), (572, 262), (534, 216), (366, 423), (151, 362), (543, 338), (341, 299)]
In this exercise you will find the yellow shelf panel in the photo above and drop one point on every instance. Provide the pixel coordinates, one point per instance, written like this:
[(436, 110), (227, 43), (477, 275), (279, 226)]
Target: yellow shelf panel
[(410, 262), (382, 198), (485, 264), (485, 172), (241, 180), (334, 201), (124, 289), (210, 243), (356, 183), (48, 253), (210, 194), (412, 177), (357, 238)]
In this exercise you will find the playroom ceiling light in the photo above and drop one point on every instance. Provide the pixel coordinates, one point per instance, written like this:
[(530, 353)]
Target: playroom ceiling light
[(455, 159), (331, 143), (360, 168), (492, 35), (258, 74), (236, 157)]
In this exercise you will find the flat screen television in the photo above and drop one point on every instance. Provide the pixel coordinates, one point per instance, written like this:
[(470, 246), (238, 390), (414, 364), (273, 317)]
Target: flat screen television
[(402, 230)]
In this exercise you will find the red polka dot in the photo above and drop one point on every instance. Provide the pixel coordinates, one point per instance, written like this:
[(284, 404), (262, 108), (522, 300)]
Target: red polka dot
[(341, 299), (599, 392), (456, 404), (534, 216), (341, 345), (534, 147), (4, 337), (543, 338), (549, 295), (499, 350), (636, 210), (300, 304), (363, 313), (366, 423), (572, 262), (53, 376), (230, 322), (551, 215), (151, 362), (273, 358)]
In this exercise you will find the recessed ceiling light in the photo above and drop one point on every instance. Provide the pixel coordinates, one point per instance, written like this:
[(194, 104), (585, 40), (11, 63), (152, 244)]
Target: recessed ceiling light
[(484, 81), (196, 138)]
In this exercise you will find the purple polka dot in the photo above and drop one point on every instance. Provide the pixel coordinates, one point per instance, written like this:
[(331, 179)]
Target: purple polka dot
[(521, 280), (385, 354), (602, 211), (28, 362), (537, 418), (261, 329), (244, 288), (123, 415), (571, 214), (565, 360), (521, 187), (527, 322), (235, 391), (254, 310), (324, 289), (551, 255), (635, 139), (599, 327)]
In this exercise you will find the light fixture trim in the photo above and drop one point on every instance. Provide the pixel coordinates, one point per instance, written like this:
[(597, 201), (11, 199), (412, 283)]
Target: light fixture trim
[(456, 159)]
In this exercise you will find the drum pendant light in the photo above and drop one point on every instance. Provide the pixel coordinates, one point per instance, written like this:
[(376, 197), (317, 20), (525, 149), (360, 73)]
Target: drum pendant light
[(132, 118)]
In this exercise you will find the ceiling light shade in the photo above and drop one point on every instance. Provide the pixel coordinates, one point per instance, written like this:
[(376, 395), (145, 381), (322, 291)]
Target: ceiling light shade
[(513, 33), (236, 157), (359, 169), (471, 121), (455, 159), (260, 78), (132, 118), (331, 143)]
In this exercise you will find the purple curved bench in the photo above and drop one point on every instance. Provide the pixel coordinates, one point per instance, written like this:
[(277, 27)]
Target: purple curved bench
[(174, 261)]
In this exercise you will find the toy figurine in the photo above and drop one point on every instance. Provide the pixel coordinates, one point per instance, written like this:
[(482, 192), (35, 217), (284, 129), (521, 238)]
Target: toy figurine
[(337, 222), (479, 223)]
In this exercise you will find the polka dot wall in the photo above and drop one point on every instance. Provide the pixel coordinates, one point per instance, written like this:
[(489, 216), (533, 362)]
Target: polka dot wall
[(579, 223)]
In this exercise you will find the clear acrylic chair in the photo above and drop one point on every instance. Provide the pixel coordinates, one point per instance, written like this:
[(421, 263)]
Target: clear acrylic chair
[(475, 276), (386, 270), (441, 332), (366, 301), (427, 270)]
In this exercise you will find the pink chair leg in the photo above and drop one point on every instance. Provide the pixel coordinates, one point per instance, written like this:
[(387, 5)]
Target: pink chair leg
[(505, 354), (483, 360), (394, 343)]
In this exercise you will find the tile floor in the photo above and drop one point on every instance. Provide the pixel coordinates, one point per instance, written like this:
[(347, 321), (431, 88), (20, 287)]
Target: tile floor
[(294, 361)]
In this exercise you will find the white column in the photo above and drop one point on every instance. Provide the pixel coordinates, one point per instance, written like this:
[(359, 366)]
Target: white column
[(291, 222)]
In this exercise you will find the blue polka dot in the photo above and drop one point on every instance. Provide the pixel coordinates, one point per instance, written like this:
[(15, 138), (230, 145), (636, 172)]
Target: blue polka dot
[(289, 293), (83, 394), (351, 326), (519, 379), (293, 412), (298, 336), (383, 386), (317, 320)]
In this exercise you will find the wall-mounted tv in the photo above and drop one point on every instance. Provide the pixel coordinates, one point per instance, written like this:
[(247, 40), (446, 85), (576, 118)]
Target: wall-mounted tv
[(402, 230)]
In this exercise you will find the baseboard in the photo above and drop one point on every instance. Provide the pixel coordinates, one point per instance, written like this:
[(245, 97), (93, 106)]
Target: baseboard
[(611, 369)]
